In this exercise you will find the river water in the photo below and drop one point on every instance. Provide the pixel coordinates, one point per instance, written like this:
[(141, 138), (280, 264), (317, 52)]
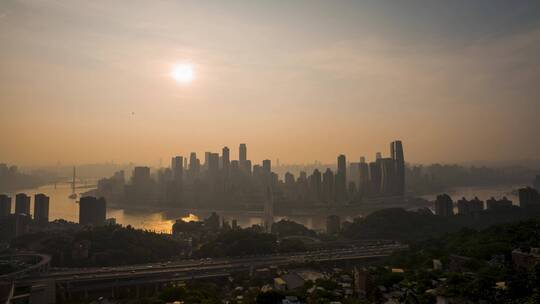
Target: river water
[(62, 207)]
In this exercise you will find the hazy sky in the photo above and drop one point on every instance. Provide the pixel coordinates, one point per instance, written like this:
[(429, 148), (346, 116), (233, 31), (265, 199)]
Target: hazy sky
[(89, 81)]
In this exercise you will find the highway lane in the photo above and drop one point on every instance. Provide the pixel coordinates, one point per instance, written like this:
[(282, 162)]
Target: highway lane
[(179, 268)]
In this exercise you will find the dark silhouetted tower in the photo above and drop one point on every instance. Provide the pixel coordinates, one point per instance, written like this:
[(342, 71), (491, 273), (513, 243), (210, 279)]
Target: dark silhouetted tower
[(242, 153), (341, 179), (396, 151), (388, 176), (92, 211), (22, 204), (225, 159), (5, 205), (315, 184), (41, 208), (177, 165), (267, 166), (194, 165), (375, 177), (328, 186), (213, 164)]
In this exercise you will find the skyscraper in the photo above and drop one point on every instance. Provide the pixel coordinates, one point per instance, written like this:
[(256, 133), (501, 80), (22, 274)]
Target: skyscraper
[(41, 208), (177, 166), (5, 205), (242, 153), (315, 184), (213, 164), (353, 174), (92, 211), (22, 204), (328, 186), (194, 165), (388, 176), (375, 177), (267, 166), (341, 179), (206, 160), (396, 151), (225, 159), (364, 176)]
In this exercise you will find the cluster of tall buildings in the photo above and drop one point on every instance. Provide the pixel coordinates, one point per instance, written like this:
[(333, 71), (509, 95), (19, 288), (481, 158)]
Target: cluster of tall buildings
[(220, 180), (17, 223), (190, 181), (351, 181), (22, 206), (92, 211)]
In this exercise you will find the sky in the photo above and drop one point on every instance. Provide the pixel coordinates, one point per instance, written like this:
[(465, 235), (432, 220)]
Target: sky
[(90, 81)]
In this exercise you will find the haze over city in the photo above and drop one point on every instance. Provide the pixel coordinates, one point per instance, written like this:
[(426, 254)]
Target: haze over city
[(269, 152), (303, 81)]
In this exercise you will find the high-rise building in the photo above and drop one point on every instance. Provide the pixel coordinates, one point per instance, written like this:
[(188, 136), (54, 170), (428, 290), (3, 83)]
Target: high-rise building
[(328, 186), (388, 176), (206, 160), (315, 184), (363, 169), (246, 167), (267, 166), (396, 151), (194, 165), (92, 211), (225, 159), (140, 175), (269, 209), (41, 208), (213, 164), (5, 205), (353, 174), (22, 204), (341, 179), (444, 206), (375, 177), (242, 153), (177, 167)]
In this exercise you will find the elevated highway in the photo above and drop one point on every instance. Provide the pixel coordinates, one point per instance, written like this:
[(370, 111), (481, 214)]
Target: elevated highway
[(113, 281)]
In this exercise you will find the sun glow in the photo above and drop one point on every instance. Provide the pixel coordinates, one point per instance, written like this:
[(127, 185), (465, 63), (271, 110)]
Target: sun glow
[(183, 73)]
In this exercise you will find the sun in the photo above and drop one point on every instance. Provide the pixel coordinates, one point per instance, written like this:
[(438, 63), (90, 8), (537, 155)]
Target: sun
[(183, 73)]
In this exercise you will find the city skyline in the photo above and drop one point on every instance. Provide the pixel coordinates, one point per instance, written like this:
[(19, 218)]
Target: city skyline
[(299, 82)]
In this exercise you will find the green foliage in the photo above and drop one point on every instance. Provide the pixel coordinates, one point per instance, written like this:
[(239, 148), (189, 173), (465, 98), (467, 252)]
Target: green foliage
[(478, 283), (239, 242), (285, 228), (110, 245), (409, 226), (288, 245), (193, 293), (270, 297)]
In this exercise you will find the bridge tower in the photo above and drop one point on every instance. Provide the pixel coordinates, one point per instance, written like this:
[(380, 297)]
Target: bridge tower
[(268, 209)]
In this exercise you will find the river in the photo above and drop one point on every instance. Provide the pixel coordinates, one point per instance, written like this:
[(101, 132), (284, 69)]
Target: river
[(62, 207)]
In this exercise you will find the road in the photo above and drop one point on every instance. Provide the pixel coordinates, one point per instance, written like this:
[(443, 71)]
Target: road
[(195, 268)]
